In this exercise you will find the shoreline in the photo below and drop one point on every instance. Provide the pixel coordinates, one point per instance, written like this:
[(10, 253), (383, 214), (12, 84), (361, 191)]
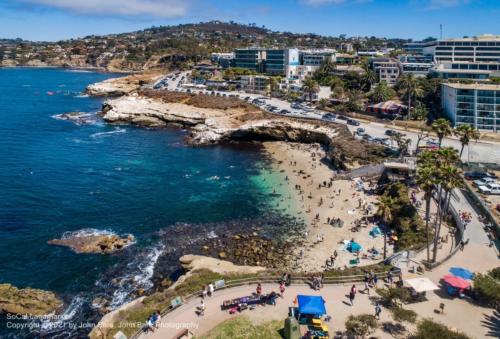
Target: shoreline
[(293, 157)]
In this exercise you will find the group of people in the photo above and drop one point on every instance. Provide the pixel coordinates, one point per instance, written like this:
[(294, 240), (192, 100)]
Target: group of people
[(317, 282), (208, 291), (153, 321), (330, 262)]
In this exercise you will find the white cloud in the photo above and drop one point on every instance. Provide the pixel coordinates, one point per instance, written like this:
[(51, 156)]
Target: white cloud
[(126, 8)]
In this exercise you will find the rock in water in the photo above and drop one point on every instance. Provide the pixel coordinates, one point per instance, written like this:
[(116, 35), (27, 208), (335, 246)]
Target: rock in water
[(28, 301), (101, 244)]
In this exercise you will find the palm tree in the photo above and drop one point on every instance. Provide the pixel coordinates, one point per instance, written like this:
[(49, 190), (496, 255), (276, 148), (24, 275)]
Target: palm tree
[(410, 87), (449, 178), (426, 180), (442, 128), (369, 76), (384, 211), (382, 92), (310, 87), (466, 133)]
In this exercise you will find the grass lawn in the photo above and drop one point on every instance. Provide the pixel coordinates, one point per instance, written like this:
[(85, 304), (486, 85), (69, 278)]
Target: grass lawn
[(241, 327)]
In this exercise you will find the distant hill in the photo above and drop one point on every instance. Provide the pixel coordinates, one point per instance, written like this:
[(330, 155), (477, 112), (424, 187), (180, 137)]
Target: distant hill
[(164, 46)]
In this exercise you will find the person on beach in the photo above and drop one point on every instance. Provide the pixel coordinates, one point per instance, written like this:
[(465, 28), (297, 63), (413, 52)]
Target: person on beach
[(205, 291), (210, 289), (378, 310), (375, 280), (259, 289), (282, 289)]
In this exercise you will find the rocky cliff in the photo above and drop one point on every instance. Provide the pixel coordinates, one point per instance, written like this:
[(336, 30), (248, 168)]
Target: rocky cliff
[(27, 301), (217, 119)]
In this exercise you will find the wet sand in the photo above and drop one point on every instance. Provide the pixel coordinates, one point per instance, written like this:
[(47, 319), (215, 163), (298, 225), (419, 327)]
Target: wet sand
[(307, 173)]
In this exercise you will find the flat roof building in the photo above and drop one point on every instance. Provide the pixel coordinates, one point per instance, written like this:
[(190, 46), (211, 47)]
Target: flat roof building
[(484, 48), (387, 69), (476, 104)]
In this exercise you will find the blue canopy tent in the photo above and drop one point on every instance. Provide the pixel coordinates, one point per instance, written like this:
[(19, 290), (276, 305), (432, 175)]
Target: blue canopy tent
[(354, 247), (311, 305), (462, 273)]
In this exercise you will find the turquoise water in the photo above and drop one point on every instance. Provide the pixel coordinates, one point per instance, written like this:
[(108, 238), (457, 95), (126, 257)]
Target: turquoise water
[(57, 176)]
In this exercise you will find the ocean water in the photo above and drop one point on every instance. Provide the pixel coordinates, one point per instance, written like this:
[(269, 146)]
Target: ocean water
[(57, 176)]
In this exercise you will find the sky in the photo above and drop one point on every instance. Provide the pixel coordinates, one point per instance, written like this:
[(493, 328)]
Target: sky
[(52, 20)]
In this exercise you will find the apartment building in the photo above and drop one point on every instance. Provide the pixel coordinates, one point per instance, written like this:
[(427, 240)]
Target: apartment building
[(474, 104), (250, 58), (419, 47), (387, 69), (419, 65), (254, 83)]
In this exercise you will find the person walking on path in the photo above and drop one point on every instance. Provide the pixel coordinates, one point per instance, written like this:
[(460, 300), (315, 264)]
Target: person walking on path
[(367, 288), (210, 289), (282, 288), (259, 289), (352, 294), (378, 310)]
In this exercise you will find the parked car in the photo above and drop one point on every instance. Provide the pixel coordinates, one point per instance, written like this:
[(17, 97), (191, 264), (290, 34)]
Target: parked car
[(478, 175), (391, 132), (360, 131), (493, 188), (353, 122), (342, 117), (285, 111), (329, 116), (484, 181)]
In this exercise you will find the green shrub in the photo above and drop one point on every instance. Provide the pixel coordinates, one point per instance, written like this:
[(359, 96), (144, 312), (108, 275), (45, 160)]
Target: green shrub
[(428, 329), (487, 287), (361, 325), (401, 314), (392, 297)]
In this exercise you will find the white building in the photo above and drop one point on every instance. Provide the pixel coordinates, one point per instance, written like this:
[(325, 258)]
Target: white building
[(387, 69), (474, 104)]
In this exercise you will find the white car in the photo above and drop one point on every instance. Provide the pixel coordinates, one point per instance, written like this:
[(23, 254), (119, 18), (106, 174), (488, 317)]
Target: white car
[(493, 188), (484, 181)]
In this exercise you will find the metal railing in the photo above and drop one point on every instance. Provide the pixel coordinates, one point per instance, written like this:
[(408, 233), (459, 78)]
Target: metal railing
[(297, 280)]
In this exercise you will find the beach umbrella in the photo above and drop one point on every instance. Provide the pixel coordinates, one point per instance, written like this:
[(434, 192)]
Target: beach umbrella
[(462, 273), (456, 282)]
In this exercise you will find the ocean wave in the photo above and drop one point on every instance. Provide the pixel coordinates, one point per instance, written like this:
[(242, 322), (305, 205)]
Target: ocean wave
[(117, 130), (141, 270), (81, 95), (215, 177), (79, 118), (59, 322), (86, 232)]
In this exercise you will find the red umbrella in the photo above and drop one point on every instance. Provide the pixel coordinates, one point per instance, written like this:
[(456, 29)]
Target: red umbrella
[(456, 282)]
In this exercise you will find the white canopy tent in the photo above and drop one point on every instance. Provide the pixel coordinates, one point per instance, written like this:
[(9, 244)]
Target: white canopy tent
[(421, 284)]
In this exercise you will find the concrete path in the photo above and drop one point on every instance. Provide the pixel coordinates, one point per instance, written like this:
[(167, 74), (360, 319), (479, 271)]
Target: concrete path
[(478, 322)]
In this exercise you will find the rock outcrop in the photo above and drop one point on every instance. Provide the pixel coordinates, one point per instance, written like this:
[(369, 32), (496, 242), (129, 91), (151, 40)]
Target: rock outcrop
[(122, 85), (100, 244), (213, 120), (27, 301), (191, 262)]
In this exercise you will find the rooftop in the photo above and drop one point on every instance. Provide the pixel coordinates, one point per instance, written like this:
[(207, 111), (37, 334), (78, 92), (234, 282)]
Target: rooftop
[(480, 86), (488, 37)]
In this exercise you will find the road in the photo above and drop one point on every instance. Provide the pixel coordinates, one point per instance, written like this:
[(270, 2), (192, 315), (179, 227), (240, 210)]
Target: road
[(481, 151)]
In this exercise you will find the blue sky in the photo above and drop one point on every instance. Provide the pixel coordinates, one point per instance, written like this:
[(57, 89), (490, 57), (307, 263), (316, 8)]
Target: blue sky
[(61, 19)]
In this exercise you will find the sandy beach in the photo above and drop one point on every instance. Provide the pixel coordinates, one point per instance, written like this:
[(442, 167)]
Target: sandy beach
[(317, 197)]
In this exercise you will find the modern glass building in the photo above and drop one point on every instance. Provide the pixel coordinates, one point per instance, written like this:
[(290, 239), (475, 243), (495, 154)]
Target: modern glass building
[(474, 104), (269, 61)]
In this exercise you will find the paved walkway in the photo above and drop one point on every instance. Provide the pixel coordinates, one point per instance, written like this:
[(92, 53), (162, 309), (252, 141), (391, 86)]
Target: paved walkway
[(476, 321)]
